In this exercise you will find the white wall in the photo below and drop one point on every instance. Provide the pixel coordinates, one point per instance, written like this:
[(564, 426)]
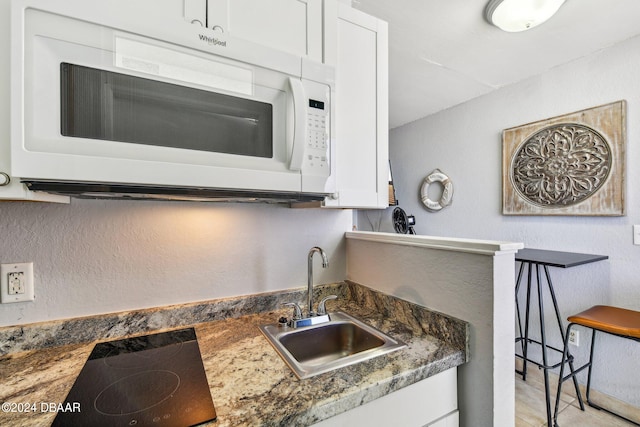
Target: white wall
[(465, 143), (94, 257)]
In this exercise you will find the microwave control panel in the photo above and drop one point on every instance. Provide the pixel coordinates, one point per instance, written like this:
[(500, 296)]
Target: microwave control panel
[(316, 159)]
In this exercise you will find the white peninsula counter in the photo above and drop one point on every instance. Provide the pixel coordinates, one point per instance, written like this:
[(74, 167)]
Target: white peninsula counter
[(473, 280)]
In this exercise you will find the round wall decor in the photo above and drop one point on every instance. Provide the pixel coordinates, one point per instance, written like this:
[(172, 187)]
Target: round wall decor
[(573, 164), (561, 165), (447, 191)]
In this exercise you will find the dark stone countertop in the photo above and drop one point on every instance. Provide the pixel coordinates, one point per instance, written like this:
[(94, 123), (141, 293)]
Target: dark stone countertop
[(249, 382)]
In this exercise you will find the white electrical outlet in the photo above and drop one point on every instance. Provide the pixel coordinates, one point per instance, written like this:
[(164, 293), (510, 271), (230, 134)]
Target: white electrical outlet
[(636, 234), (574, 338), (16, 282)]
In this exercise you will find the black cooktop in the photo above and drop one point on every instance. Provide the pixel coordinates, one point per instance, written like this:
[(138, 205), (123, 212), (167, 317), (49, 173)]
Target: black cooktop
[(154, 380)]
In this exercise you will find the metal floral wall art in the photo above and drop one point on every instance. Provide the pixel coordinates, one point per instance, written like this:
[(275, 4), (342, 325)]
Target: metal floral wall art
[(568, 165), (561, 165)]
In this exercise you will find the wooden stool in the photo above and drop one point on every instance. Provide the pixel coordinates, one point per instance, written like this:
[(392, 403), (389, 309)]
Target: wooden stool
[(611, 320)]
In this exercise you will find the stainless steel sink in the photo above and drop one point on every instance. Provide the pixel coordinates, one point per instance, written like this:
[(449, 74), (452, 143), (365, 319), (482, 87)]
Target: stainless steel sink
[(343, 341)]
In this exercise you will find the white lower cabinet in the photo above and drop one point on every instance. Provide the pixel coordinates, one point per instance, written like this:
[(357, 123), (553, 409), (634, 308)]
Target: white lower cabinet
[(450, 420), (431, 402)]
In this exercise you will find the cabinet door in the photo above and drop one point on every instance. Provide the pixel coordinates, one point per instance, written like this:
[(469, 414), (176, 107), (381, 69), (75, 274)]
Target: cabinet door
[(195, 11), (432, 400), (361, 110), (451, 420), (293, 26)]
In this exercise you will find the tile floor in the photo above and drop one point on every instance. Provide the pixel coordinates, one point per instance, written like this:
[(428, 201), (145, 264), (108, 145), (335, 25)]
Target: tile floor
[(530, 406)]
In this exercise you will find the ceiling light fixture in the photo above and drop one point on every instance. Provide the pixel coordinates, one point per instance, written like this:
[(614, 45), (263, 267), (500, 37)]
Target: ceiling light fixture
[(520, 15)]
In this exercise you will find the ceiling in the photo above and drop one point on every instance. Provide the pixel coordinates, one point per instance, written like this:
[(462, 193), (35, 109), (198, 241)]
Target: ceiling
[(443, 52)]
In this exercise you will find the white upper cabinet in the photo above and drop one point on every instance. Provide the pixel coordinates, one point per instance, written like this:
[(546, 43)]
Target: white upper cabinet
[(361, 111), (293, 26), (195, 11)]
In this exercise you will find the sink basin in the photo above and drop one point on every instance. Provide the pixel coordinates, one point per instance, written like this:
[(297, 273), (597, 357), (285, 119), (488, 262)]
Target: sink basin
[(343, 341)]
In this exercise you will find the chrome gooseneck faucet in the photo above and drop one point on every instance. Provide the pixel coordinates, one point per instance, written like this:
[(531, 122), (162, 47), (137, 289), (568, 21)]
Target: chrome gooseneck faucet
[(312, 318), (325, 264)]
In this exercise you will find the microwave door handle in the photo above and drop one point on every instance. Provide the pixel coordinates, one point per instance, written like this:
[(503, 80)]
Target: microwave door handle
[(299, 126)]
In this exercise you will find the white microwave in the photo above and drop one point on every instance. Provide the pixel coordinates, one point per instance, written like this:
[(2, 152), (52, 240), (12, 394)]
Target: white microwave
[(105, 104)]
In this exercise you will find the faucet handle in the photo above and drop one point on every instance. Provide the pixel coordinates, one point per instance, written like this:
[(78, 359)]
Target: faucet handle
[(321, 309), (297, 312)]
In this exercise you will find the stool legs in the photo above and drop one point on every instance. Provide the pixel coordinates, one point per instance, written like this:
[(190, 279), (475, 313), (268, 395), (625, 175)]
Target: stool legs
[(562, 378), (566, 355), (593, 344), (573, 374), (589, 401)]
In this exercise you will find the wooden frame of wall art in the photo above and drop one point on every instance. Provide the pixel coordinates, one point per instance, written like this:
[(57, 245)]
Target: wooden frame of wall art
[(567, 165)]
